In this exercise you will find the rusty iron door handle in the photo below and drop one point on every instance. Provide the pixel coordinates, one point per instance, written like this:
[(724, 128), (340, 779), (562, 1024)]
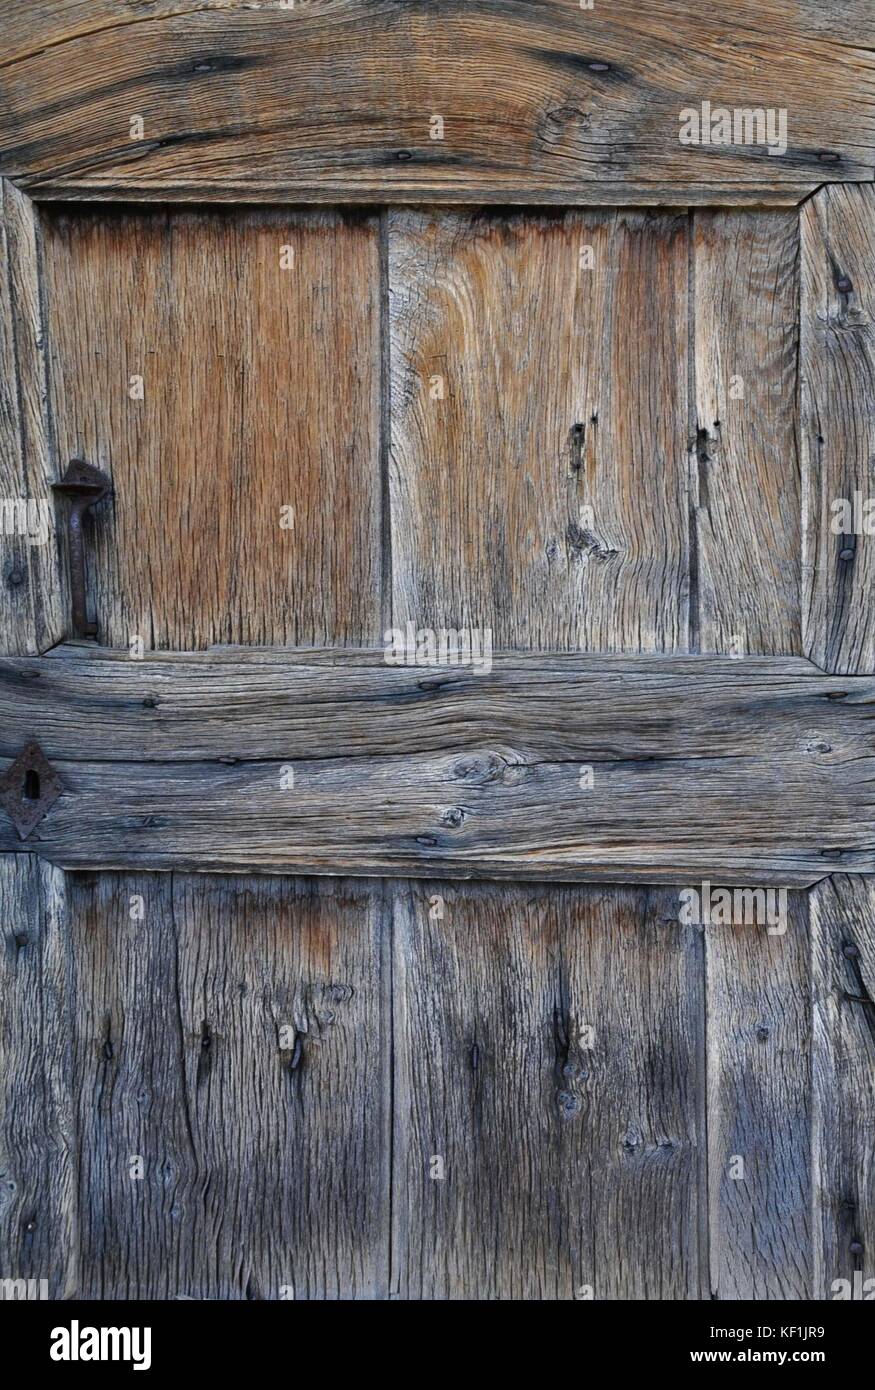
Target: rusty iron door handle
[(83, 485)]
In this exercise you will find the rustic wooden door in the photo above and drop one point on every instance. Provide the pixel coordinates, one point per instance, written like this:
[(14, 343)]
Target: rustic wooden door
[(335, 966)]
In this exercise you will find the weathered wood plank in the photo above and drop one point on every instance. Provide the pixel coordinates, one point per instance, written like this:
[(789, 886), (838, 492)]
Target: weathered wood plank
[(759, 1107), (756, 767), (746, 506), (98, 705), (32, 605), (548, 98), (548, 1057), (549, 664), (233, 1037), (544, 496), (38, 1200), (365, 195), (843, 1100), (838, 427), (259, 393)]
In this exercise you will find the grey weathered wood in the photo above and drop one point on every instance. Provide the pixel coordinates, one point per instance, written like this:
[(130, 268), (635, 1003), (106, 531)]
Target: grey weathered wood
[(269, 1168), (545, 495), (746, 511), (549, 1052), (758, 1036), (38, 1145), (418, 193), (838, 424), (265, 1153), (716, 768), (32, 607), (334, 100), (843, 1086)]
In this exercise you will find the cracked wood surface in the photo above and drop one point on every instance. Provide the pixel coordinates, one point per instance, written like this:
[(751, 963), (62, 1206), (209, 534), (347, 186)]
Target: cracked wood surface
[(561, 431), (843, 1066), (838, 426), (233, 1034), (246, 483), (39, 1235), (596, 456), (557, 1046), (550, 1054), (611, 1162), (33, 611), (728, 770), (758, 1097), (333, 99)]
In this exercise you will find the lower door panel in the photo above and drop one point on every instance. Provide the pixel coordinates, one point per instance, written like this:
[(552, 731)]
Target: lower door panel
[(228, 1087)]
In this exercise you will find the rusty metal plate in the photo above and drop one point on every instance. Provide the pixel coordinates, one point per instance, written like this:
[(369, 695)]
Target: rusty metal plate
[(29, 789)]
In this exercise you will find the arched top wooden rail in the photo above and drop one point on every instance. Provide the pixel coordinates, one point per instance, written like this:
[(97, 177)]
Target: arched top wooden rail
[(541, 101)]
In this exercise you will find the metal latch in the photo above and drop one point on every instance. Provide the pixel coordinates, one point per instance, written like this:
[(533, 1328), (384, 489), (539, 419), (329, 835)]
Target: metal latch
[(83, 485)]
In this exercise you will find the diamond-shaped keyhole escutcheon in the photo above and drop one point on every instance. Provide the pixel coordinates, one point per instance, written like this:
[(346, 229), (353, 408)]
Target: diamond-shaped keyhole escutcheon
[(29, 789)]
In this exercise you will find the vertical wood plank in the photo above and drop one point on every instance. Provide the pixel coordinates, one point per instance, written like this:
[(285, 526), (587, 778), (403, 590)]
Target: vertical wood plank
[(539, 421), (31, 589), (546, 1123), (838, 426), (38, 1215), (38, 1212), (745, 489), (545, 495), (234, 1040), (260, 392), (759, 1108), (843, 1086)]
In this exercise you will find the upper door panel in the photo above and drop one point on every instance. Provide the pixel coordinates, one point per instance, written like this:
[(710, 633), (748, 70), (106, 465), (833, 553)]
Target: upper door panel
[(593, 428), (223, 370), (590, 418)]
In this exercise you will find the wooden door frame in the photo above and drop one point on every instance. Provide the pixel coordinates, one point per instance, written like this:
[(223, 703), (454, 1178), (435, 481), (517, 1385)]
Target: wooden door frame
[(224, 59)]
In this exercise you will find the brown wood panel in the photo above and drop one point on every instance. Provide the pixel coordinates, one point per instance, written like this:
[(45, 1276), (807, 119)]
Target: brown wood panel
[(573, 767), (548, 1051), (745, 491), (233, 1037), (843, 1155), (480, 305), (38, 1207), (32, 605), (259, 392), (759, 1108), (545, 496), (333, 98), (838, 427)]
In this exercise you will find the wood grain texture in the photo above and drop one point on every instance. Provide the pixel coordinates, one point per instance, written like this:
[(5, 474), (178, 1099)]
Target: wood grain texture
[(745, 490), (234, 1039), (544, 100), (759, 1108), (843, 1157), (38, 1199), (838, 426), (702, 766), (32, 602), (545, 495), (548, 1050), (260, 392)]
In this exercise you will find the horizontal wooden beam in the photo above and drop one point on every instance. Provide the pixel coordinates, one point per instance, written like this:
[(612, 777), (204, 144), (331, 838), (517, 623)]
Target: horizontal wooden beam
[(534, 99), (368, 194), (650, 768)]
